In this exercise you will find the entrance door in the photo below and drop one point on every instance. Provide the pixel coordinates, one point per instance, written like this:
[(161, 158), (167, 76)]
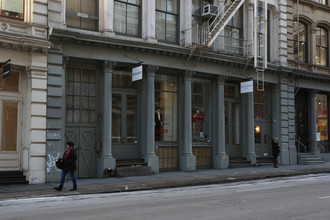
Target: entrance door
[(232, 119), (84, 140), (82, 116), (125, 144)]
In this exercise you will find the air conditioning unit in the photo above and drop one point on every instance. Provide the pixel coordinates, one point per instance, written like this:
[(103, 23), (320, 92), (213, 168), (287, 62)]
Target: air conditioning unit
[(210, 10)]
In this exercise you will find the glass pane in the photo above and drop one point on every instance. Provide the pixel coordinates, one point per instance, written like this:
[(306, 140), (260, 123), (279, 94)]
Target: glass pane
[(160, 26), (172, 6), (322, 117), (122, 79), (92, 116), (131, 119), (132, 20), (165, 114), (171, 28), (12, 8), (116, 118), (84, 89), (120, 17), (69, 102), (92, 104), (161, 5), (10, 83), (9, 126), (84, 102), (76, 116), (84, 117)]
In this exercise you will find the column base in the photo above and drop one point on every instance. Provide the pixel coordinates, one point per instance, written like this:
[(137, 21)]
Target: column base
[(188, 162), (153, 162), (252, 158), (106, 162), (221, 161)]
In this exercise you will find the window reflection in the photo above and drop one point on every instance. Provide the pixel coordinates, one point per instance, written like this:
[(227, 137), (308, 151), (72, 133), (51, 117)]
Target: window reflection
[(322, 117)]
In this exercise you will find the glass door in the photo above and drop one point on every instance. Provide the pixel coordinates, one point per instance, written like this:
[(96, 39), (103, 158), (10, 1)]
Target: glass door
[(125, 144)]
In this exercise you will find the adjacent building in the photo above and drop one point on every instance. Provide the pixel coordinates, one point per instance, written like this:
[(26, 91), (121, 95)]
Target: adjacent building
[(23, 87)]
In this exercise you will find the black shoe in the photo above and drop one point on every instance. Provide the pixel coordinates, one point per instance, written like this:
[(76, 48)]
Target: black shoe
[(74, 188), (59, 188)]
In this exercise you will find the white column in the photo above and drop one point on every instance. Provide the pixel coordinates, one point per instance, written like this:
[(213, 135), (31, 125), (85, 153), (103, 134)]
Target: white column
[(312, 121), (107, 10), (185, 19), (150, 156), (149, 20), (188, 160), (221, 160), (106, 160)]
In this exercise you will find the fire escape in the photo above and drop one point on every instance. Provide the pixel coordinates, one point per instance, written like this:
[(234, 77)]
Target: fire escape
[(204, 37)]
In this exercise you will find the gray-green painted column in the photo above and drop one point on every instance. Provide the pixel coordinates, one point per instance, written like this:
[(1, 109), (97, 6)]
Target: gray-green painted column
[(106, 159), (149, 133), (221, 160), (187, 159), (248, 111), (312, 121)]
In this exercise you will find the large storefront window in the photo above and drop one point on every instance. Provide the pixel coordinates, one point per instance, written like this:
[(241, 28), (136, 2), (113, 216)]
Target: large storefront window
[(165, 108), (9, 106), (12, 9), (201, 111), (322, 117)]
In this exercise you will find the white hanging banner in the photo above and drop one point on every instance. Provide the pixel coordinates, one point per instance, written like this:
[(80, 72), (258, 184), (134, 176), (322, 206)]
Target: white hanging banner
[(137, 73), (247, 87)]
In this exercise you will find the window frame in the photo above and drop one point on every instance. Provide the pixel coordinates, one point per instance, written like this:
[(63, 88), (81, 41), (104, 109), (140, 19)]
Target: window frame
[(80, 15), (320, 46), (177, 16), (10, 17), (297, 43), (139, 27)]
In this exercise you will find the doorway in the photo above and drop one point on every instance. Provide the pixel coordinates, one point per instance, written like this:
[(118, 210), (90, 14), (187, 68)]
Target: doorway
[(82, 116), (125, 141)]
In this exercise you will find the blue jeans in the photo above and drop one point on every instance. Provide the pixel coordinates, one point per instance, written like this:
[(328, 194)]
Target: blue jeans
[(73, 177)]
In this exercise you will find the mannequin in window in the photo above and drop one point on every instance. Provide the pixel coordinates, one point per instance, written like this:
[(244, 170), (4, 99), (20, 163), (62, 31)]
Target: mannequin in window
[(158, 124)]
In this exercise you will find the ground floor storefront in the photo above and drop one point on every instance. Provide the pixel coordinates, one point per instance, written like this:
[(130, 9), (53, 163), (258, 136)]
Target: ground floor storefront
[(23, 97), (174, 118)]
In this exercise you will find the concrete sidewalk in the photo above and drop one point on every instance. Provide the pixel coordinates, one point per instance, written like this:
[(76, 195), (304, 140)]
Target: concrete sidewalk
[(161, 180)]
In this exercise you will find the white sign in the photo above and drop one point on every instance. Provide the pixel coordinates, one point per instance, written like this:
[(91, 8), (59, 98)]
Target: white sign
[(246, 87), (137, 73)]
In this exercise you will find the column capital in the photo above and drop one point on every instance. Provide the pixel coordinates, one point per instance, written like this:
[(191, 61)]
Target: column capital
[(151, 70), (221, 79), (65, 61), (108, 65), (187, 75)]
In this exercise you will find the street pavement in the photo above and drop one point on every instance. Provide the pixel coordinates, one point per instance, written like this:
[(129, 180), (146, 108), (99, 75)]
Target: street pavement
[(166, 179)]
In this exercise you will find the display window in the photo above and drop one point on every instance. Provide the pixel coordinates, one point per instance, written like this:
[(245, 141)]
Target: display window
[(165, 108), (201, 111), (322, 117), (9, 112)]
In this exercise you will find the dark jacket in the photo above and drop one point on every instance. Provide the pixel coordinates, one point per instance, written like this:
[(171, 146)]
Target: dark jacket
[(70, 160), (275, 149)]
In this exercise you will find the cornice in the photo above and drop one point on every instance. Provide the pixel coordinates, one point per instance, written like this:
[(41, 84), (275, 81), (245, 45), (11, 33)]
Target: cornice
[(23, 43)]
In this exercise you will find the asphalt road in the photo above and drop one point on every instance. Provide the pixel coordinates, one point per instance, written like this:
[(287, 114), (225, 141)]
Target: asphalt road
[(300, 197)]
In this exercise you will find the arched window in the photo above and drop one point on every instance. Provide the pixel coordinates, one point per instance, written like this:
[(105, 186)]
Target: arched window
[(322, 47), (300, 42)]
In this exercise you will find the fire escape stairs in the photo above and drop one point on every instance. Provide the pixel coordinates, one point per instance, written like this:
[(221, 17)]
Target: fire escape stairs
[(220, 20)]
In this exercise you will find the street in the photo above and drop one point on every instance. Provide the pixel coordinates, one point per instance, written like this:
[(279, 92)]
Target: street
[(299, 197)]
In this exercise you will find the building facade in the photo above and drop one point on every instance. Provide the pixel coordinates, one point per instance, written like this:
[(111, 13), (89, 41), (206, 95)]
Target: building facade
[(23, 91), (308, 55), (187, 112)]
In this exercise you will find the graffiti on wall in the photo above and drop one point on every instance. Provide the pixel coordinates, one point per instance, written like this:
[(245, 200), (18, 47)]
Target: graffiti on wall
[(52, 162)]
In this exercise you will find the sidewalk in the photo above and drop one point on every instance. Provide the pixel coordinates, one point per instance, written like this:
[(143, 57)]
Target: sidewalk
[(161, 180)]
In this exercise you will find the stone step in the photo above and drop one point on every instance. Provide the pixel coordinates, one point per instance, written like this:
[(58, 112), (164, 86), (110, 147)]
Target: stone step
[(12, 177)]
